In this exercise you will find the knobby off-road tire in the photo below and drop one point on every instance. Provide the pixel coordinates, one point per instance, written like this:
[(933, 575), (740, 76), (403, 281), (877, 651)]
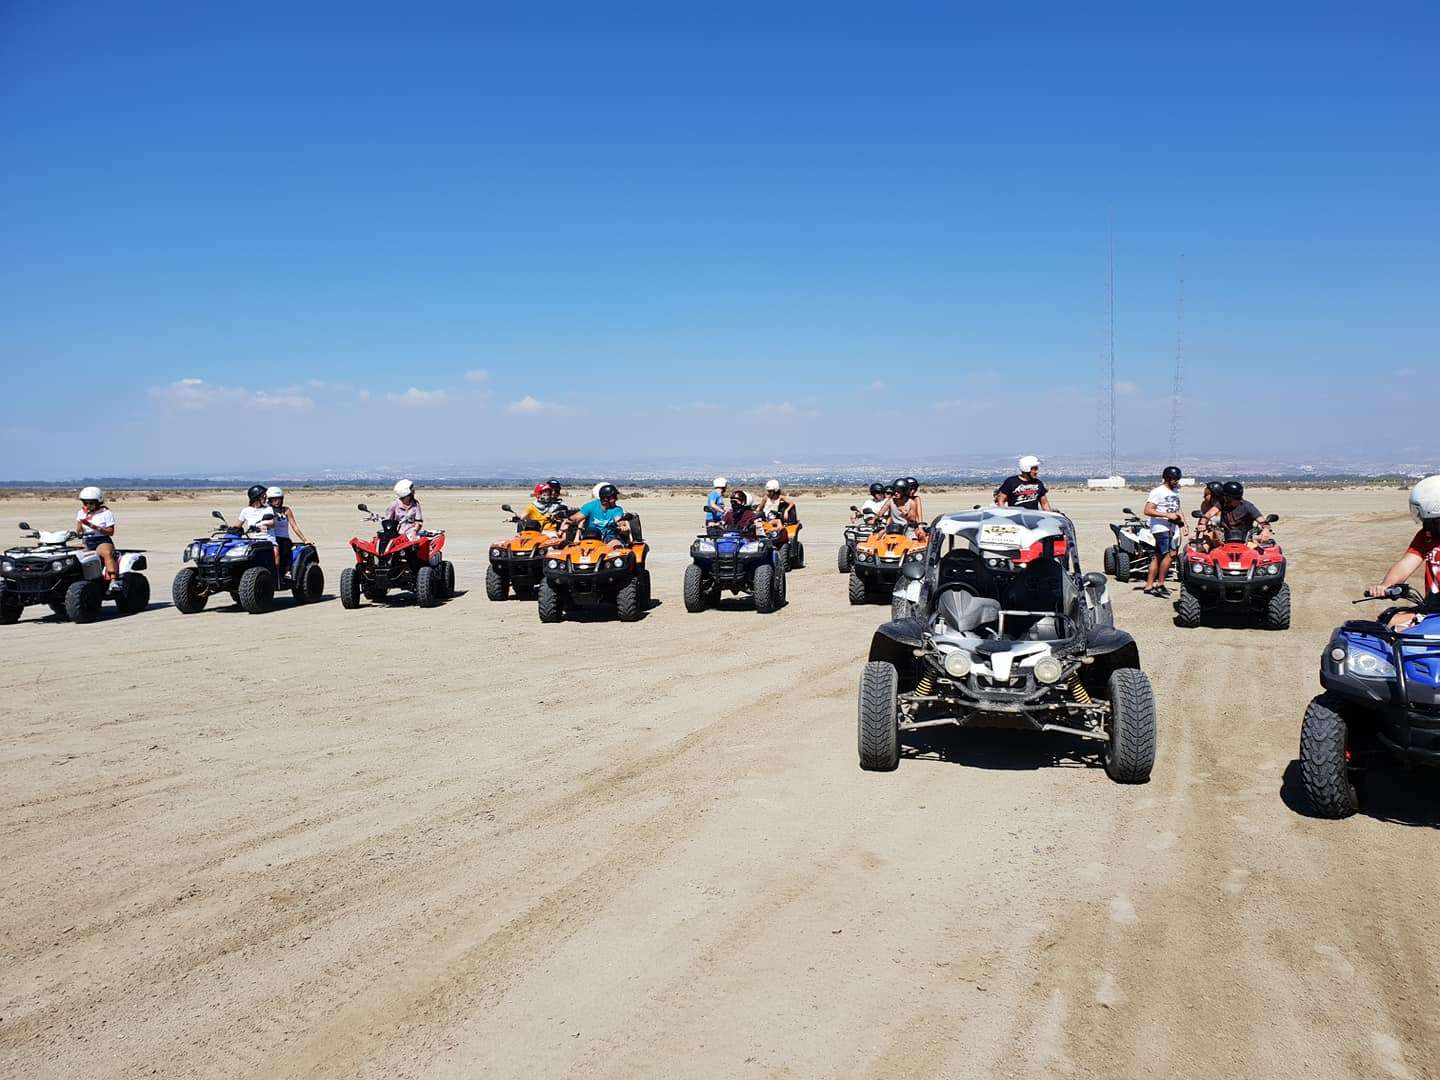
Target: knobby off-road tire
[(842, 559), (859, 593), (1277, 609), (782, 589), (134, 594), (797, 555), (257, 590), (185, 592), (1130, 754), (1324, 772), (694, 589), (10, 609), (1122, 566), (1110, 560), (765, 588), (497, 585), (449, 568), (548, 603), (311, 585), (878, 721), (83, 600), (630, 600), (901, 608), (1187, 609), (427, 586), (349, 588)]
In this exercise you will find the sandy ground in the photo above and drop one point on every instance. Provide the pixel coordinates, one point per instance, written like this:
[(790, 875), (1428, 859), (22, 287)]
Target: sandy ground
[(456, 843)]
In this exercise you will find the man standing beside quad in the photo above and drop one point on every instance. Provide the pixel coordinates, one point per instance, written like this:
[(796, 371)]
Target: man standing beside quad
[(1162, 507), (1025, 490)]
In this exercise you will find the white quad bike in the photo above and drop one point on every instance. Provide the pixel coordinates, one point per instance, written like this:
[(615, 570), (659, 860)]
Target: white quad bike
[(68, 578), (1007, 631), (1133, 550)]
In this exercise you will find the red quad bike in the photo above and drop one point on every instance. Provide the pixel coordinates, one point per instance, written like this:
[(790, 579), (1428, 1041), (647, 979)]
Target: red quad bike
[(1235, 577), (392, 561)]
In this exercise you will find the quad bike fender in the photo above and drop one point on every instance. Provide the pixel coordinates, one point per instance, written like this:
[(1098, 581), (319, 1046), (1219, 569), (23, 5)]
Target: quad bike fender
[(641, 550), (131, 562), (91, 566)]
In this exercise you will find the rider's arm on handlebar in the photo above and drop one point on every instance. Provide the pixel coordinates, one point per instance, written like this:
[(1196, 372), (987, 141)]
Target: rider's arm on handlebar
[(1398, 574)]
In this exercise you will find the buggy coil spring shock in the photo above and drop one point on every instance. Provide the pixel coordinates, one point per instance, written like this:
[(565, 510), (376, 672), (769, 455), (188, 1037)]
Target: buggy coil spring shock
[(1078, 691), (925, 684)]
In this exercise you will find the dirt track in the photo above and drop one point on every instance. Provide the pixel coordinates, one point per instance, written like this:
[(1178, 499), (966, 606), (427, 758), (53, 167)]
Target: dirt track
[(396, 842)]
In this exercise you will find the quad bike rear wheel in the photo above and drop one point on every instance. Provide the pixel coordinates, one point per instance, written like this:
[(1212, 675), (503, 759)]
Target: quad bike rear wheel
[(427, 586), (797, 554), (313, 580), (694, 589), (1277, 609), (1324, 769), (1130, 754), (449, 568), (1122, 566), (83, 600), (186, 593), (843, 558), (878, 722), (549, 604), (257, 590), (1188, 609), (497, 585), (859, 592), (765, 587), (349, 588), (1110, 560), (134, 594)]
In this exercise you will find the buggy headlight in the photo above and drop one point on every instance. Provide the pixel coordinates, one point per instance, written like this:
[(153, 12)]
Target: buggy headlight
[(1048, 670), (957, 664), (1366, 665)]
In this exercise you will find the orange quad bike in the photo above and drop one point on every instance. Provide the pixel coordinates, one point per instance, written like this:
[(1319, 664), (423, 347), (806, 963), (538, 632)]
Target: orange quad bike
[(786, 536), (588, 572), (878, 559), (518, 562)]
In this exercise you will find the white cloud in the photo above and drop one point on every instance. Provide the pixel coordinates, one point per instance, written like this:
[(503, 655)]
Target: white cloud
[(785, 409), (416, 396), (477, 375), (194, 394), (531, 405)]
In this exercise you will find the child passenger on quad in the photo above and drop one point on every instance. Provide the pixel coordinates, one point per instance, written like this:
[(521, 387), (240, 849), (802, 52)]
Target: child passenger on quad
[(605, 516), (544, 501), (405, 511), (95, 522), (1424, 550), (282, 527)]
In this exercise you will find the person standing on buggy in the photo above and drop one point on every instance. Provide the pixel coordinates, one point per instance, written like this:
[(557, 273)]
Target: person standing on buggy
[(95, 522)]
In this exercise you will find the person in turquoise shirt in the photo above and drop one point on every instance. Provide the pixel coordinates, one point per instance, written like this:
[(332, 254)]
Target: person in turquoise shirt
[(605, 515)]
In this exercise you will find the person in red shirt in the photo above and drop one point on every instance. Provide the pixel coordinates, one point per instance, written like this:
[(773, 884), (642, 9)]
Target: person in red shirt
[(1424, 550), (741, 516)]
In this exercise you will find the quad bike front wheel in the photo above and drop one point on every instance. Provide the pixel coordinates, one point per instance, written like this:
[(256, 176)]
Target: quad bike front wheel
[(1130, 753), (878, 722), (10, 609), (1324, 769), (83, 600), (497, 585), (1187, 609), (1122, 566), (427, 587), (694, 589), (1277, 609), (764, 585), (859, 593), (186, 592), (549, 604), (843, 559), (633, 597), (134, 594), (257, 590), (449, 568), (349, 588), (1110, 560)]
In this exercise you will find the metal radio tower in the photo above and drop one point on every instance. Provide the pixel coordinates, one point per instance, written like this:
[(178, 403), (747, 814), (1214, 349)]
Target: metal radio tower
[(1110, 322), (1176, 386)]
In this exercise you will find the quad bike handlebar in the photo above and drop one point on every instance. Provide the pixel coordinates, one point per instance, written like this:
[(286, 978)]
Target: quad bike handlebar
[(1394, 592)]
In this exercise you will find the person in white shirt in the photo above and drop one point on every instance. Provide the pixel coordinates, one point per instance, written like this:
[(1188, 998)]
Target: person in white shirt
[(870, 508), (284, 525), (253, 517), (95, 525), (1162, 507)]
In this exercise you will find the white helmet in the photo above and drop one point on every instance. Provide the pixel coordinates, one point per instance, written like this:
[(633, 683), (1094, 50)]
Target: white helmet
[(91, 494), (1424, 499), (1028, 462), (721, 483), (274, 493), (404, 487), (772, 485), (595, 491)]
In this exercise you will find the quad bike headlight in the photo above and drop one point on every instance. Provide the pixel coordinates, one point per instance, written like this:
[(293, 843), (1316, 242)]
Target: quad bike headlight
[(957, 664), (617, 563), (235, 554), (553, 564), (58, 565), (1048, 670), (751, 547), (705, 547), (1366, 665), (495, 553), (7, 567)]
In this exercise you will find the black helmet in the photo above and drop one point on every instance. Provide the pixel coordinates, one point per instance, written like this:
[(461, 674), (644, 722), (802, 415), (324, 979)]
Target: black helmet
[(901, 486), (609, 491), (1215, 487), (876, 490), (1172, 472), (553, 484), (257, 491), (912, 484), (890, 489), (1233, 489)]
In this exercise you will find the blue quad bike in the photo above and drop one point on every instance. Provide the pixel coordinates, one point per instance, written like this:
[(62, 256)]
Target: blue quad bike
[(1381, 704), (736, 563), (243, 565)]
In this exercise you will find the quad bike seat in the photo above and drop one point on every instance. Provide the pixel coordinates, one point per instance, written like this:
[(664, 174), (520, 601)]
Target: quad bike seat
[(964, 612)]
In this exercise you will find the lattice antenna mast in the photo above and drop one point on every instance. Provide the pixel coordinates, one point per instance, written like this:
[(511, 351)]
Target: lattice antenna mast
[(1110, 321), (1177, 386)]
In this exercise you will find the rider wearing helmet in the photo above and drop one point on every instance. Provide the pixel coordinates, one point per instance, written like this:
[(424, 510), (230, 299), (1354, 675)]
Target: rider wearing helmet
[(253, 518), (544, 502), (777, 502), (284, 524), (871, 506), (1234, 512), (95, 522), (1424, 550), (605, 515), (715, 501), (914, 487), (1025, 489), (1162, 507), (741, 516), (901, 512), (405, 510)]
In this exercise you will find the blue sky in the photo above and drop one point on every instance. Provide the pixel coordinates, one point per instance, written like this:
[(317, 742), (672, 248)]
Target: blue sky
[(290, 235)]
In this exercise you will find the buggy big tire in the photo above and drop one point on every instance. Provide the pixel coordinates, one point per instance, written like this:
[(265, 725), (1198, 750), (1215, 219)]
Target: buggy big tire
[(1324, 772), (83, 600), (310, 585), (797, 554), (1277, 609), (185, 592), (10, 609), (694, 589), (901, 608), (497, 585), (427, 586), (349, 588), (1187, 609), (782, 589), (842, 559), (1110, 560), (859, 593), (1130, 754), (878, 722), (449, 568), (764, 586), (630, 600), (1122, 566), (548, 603), (134, 594), (257, 590)]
